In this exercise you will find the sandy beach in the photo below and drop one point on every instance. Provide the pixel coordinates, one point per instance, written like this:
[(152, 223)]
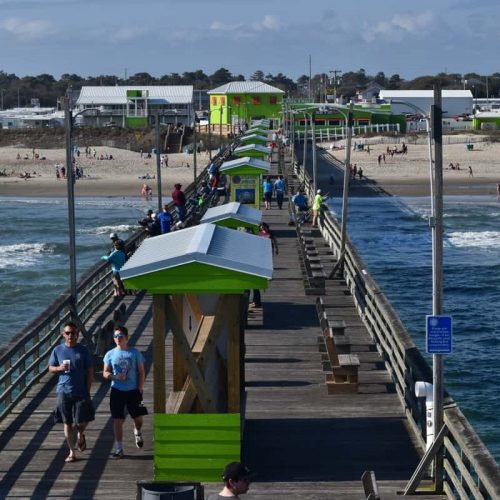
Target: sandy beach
[(405, 175), (408, 175), (121, 176)]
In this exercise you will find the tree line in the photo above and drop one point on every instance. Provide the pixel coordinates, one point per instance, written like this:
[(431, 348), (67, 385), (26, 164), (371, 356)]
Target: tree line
[(19, 91)]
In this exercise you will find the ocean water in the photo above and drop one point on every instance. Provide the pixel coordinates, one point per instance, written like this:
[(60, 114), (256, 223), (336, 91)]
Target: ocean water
[(394, 240), (392, 235), (34, 263)]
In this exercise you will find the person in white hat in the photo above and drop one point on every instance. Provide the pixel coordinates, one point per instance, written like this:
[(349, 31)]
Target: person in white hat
[(318, 200)]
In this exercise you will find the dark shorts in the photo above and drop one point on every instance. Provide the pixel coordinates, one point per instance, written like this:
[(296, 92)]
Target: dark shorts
[(118, 400), (73, 409), (268, 196)]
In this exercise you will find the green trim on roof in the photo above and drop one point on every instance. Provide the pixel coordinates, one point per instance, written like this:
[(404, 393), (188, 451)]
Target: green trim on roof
[(233, 223), (252, 153), (245, 170), (195, 277)]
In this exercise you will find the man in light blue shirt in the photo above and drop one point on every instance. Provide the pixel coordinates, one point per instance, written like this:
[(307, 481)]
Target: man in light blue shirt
[(124, 366)]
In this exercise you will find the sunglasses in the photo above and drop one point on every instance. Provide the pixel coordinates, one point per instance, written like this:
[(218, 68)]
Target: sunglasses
[(118, 336), (71, 332)]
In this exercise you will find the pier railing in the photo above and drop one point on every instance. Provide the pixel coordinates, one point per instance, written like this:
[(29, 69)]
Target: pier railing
[(24, 361), (470, 469)]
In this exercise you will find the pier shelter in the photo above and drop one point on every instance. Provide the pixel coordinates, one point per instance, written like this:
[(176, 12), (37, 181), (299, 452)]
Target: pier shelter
[(245, 175), (254, 139), (252, 150), (197, 277), (233, 215)]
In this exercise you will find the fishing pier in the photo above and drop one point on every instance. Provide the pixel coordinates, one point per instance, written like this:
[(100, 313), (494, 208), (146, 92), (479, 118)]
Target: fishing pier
[(312, 391)]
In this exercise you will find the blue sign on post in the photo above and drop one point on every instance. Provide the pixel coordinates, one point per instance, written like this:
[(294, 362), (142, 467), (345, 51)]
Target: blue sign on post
[(439, 334)]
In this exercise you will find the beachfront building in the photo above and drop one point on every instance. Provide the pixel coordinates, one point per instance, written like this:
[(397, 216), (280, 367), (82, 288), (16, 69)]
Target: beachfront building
[(486, 120), (34, 117), (330, 122), (454, 102), (234, 105), (135, 106)]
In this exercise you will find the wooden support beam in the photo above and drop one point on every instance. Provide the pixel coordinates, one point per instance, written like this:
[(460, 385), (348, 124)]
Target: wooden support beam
[(159, 331), (193, 370), (179, 366), (233, 354)]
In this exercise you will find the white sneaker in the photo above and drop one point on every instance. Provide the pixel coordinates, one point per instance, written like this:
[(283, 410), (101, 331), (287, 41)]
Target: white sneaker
[(139, 442)]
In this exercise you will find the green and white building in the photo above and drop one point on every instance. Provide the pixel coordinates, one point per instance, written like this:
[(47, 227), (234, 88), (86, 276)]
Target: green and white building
[(135, 106)]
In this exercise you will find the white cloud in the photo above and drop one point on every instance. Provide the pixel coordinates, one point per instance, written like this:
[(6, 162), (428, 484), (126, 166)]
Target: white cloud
[(400, 25), (27, 30), (270, 23)]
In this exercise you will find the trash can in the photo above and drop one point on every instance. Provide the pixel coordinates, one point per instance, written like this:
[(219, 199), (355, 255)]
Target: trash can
[(158, 490)]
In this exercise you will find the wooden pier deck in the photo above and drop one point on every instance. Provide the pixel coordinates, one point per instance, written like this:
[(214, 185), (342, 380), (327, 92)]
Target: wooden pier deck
[(301, 442)]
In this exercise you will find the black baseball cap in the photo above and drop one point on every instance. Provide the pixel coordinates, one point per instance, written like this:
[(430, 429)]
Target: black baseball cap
[(236, 471)]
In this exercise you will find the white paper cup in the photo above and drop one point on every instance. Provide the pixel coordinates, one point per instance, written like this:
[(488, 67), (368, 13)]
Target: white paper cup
[(68, 363)]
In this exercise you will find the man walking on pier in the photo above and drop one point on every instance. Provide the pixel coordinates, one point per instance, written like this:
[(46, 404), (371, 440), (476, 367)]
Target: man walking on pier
[(124, 366), (73, 363)]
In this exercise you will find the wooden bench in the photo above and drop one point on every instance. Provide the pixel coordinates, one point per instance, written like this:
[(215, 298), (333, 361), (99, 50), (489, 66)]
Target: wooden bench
[(344, 366), (313, 267), (370, 485)]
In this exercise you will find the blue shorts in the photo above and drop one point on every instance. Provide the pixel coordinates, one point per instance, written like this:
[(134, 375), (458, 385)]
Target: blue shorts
[(73, 409)]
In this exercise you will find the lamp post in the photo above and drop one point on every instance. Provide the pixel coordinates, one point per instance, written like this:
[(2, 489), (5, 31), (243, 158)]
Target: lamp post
[(436, 224), (69, 121), (158, 161)]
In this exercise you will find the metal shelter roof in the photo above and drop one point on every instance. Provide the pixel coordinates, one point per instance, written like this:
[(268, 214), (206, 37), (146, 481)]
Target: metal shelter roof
[(245, 161), (246, 88), (253, 137), (408, 94), (233, 210), (209, 244), (252, 147), (157, 94)]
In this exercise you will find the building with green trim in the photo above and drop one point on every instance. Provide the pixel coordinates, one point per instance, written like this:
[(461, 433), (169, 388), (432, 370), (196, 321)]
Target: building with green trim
[(488, 120), (135, 107), (238, 103)]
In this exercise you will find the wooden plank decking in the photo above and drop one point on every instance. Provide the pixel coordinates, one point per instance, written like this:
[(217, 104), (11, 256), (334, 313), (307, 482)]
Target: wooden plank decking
[(301, 442)]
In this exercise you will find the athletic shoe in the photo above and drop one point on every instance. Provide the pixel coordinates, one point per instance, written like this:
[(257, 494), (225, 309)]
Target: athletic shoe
[(138, 440), (117, 455)]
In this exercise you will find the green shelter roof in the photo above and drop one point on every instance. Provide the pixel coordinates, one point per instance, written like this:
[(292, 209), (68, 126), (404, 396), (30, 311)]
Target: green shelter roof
[(254, 148), (256, 165), (201, 259), (234, 210)]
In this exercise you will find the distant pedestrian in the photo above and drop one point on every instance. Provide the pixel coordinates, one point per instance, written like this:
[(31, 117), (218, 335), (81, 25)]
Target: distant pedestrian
[(73, 363), (58, 175), (470, 172), (117, 258), (279, 191), (360, 173), (63, 172), (179, 199), (318, 201), (166, 220), (267, 189)]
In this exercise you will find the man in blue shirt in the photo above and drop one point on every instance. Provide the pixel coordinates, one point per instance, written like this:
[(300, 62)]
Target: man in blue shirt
[(124, 366), (73, 363), (166, 220), (300, 201), (279, 189)]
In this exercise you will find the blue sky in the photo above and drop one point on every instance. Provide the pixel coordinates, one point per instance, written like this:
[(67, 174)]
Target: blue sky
[(93, 37)]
